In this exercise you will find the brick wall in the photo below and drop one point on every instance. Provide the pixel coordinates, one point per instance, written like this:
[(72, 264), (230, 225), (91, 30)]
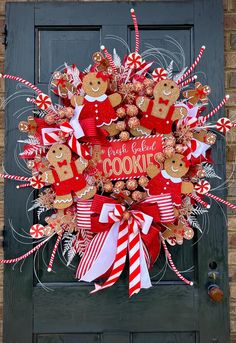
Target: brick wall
[(230, 85)]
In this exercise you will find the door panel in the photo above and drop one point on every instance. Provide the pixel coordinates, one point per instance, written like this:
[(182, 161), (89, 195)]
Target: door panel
[(60, 32)]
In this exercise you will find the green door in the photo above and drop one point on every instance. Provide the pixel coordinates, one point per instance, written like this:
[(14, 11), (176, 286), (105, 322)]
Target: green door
[(41, 37)]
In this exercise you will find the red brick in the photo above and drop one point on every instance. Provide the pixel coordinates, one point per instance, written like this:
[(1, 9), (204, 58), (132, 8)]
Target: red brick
[(230, 21), (230, 59), (232, 40), (232, 5), (232, 79)]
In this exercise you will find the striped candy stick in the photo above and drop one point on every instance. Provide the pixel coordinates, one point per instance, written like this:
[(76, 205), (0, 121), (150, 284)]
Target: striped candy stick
[(180, 276), (32, 100), (184, 83), (134, 264), (24, 185), (15, 177), (22, 257), (120, 258), (54, 253), (110, 59), (193, 66), (134, 18), (225, 202), (25, 82), (196, 198), (209, 115)]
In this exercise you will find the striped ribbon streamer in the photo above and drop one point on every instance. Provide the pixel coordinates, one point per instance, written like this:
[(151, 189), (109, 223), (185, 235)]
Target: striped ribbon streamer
[(134, 18), (19, 79), (54, 253), (168, 255), (193, 66)]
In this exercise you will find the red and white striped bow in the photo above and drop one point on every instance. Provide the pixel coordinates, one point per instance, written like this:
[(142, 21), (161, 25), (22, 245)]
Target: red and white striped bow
[(73, 143), (124, 236), (53, 135)]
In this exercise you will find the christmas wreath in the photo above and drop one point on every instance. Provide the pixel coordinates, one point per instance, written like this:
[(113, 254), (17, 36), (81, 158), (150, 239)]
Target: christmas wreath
[(120, 162)]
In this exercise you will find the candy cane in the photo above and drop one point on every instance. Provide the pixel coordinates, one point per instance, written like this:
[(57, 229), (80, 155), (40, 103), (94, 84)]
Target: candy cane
[(24, 185), (193, 66), (17, 259), (25, 82), (196, 198), (15, 177), (54, 253), (32, 100), (191, 79), (204, 119), (109, 57), (221, 200), (136, 29), (180, 276)]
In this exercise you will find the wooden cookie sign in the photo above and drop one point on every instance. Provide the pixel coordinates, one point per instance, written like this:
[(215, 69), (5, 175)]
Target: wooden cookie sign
[(124, 160)]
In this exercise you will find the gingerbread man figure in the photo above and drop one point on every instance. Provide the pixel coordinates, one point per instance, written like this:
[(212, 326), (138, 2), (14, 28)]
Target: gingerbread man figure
[(175, 234), (200, 93), (28, 126), (167, 184), (97, 107), (66, 176), (161, 112)]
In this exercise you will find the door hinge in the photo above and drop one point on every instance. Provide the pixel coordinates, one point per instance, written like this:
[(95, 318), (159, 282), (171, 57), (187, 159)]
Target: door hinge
[(5, 32)]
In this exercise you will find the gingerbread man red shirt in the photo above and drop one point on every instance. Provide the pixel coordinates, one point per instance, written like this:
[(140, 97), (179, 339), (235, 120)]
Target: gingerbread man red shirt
[(99, 108), (163, 183)]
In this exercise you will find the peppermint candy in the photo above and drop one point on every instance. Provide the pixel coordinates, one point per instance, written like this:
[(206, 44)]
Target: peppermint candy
[(159, 74), (202, 187), (223, 125), (43, 101), (37, 231), (37, 182), (134, 60)]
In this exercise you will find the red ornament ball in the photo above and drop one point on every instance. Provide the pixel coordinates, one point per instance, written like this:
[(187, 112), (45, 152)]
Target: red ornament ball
[(143, 181), (132, 110), (133, 122), (121, 125), (108, 187), (121, 113), (124, 136), (137, 196), (131, 184)]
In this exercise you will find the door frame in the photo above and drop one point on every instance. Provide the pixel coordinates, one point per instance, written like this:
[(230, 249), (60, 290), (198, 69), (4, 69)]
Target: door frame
[(18, 289)]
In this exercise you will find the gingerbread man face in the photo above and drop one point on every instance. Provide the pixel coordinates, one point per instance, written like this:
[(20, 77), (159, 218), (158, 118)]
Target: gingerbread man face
[(94, 86), (176, 166), (167, 89), (59, 153)]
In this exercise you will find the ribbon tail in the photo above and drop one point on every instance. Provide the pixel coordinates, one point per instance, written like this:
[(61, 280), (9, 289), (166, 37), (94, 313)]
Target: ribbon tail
[(119, 263), (145, 277), (78, 148), (134, 264), (74, 122), (138, 270), (99, 255)]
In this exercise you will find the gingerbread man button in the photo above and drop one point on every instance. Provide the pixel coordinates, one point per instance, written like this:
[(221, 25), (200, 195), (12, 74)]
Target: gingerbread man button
[(160, 113), (66, 176)]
